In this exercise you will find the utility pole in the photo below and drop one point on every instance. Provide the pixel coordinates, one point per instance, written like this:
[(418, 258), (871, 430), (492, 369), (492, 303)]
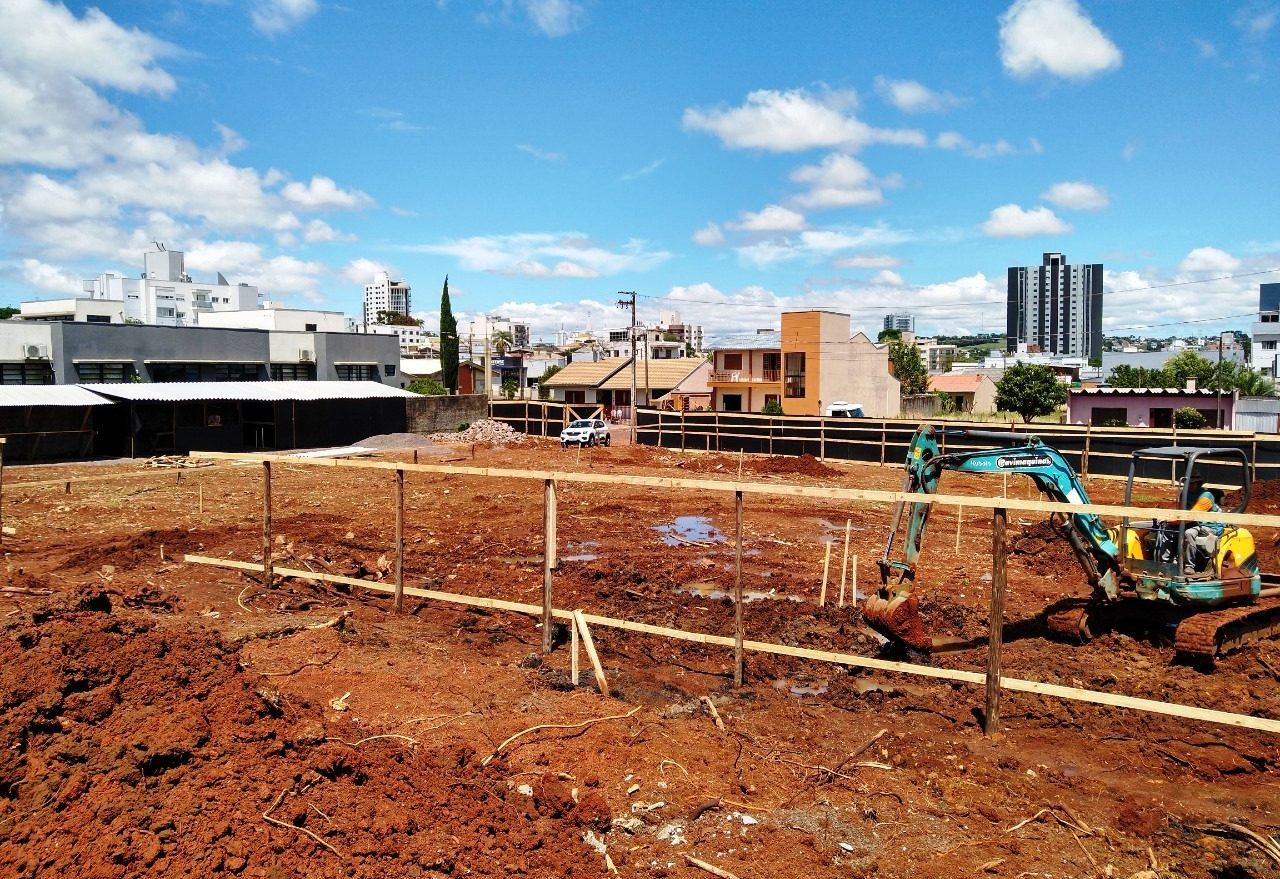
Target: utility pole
[(488, 381), (631, 303)]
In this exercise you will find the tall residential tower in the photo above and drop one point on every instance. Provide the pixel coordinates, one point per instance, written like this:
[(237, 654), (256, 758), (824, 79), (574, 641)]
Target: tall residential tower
[(385, 295), (1055, 307)]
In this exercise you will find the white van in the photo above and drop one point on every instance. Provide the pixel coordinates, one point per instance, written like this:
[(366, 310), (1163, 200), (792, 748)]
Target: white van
[(841, 409)]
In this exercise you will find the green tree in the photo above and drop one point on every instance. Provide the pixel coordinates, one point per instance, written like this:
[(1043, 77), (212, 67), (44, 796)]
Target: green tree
[(396, 319), (889, 336), (908, 368), (509, 388), (428, 387), (771, 407), (1251, 383), (1189, 418), (1126, 376), (1029, 389), (8, 311), (448, 341), (543, 391), (1188, 365)]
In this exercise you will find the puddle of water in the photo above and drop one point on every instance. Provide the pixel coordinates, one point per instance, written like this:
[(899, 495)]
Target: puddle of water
[(690, 529), (799, 687), (579, 557), (581, 551), (716, 592)]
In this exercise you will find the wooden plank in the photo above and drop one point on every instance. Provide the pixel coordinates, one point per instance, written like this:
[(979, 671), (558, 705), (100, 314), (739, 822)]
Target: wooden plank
[(266, 524), (774, 489), (574, 650), (132, 474), (399, 599), (590, 645), (995, 636), (844, 561), (548, 550), (1114, 700), (738, 625), (826, 569)]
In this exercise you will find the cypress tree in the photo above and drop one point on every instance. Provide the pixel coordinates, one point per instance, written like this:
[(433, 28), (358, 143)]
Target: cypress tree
[(448, 341)]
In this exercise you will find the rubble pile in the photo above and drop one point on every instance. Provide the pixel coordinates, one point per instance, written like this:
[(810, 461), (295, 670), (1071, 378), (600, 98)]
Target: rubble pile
[(494, 433)]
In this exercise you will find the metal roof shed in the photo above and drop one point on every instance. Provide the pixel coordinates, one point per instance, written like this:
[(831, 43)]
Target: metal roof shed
[(47, 421), (156, 418)]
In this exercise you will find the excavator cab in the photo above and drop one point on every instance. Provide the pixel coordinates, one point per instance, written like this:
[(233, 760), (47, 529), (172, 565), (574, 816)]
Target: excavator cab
[(1166, 563)]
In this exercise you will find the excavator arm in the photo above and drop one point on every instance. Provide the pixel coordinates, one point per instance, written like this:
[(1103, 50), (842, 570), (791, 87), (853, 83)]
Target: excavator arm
[(893, 610)]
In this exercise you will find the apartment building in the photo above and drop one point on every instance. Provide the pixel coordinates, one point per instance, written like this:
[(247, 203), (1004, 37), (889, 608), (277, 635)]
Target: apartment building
[(808, 364), (1055, 308), (385, 296), (1266, 332)]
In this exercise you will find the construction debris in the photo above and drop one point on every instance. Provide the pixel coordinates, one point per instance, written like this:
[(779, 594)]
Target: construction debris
[(173, 462), (495, 433)]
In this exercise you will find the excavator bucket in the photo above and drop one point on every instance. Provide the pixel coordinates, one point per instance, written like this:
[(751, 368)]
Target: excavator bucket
[(896, 615)]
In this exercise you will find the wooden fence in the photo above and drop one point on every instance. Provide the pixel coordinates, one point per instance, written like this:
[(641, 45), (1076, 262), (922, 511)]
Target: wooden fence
[(541, 417), (993, 680), (1093, 451)]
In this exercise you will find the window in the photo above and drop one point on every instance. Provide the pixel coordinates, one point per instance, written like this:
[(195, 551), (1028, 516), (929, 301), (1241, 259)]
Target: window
[(578, 397), (793, 385), (770, 398), (310, 328), (104, 373), (732, 362), (357, 372), (1268, 346), (235, 372), (1104, 416), (293, 372), (98, 318), (1271, 318), (26, 374), (389, 369), (731, 402)]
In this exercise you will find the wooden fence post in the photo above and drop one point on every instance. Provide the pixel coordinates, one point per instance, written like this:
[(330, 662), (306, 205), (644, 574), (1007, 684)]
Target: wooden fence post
[(822, 439), (737, 591), (884, 439), (991, 714), (683, 428), (399, 600), (717, 431), (548, 557), (1084, 461), (266, 524)]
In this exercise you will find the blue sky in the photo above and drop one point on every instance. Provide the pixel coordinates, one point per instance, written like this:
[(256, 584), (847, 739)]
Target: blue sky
[(724, 160)]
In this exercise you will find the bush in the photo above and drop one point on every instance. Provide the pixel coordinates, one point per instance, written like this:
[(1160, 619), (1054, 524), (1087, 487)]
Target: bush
[(772, 407), (428, 387), (463, 426), (1189, 418)]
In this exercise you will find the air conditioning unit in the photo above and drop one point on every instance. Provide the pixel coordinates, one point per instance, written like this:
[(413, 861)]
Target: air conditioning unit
[(304, 355), (36, 352)]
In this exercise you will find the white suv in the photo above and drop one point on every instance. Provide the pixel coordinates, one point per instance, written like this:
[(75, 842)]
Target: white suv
[(586, 432)]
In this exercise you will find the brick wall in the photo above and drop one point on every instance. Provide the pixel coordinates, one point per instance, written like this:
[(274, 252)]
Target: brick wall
[(432, 414)]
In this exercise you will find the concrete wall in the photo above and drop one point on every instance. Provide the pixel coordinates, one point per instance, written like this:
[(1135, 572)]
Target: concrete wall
[(382, 351), (432, 414), (139, 345)]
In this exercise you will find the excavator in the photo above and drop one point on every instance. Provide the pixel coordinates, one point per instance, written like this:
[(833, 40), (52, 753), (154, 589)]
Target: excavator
[(1141, 572)]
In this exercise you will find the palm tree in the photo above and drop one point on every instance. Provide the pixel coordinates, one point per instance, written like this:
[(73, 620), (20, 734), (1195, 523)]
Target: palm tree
[(502, 341)]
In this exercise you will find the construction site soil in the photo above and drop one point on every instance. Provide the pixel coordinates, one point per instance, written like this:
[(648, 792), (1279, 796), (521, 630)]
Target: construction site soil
[(164, 718)]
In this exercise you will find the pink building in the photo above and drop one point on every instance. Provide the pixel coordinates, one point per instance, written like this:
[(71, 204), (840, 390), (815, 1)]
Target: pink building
[(1146, 407)]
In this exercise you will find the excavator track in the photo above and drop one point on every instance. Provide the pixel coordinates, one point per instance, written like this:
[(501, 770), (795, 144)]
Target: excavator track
[(1070, 621), (1204, 636)]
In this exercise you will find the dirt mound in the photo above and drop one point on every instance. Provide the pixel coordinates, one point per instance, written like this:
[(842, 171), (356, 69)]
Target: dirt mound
[(804, 465), (492, 433), (132, 749)]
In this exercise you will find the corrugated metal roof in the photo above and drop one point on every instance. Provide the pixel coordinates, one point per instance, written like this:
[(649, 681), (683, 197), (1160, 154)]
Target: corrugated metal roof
[(585, 374), (770, 341), (662, 374), (1147, 392), (963, 383), (179, 392), (49, 395)]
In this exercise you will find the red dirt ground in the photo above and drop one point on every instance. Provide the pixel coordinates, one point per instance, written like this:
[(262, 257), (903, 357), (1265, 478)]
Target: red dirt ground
[(152, 711)]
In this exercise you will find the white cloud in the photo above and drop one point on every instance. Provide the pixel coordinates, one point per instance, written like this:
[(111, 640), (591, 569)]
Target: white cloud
[(1012, 221), (954, 140), (319, 232), (543, 155), (323, 194), (1208, 259), (527, 253), (554, 18), (53, 279), (913, 97), (1054, 37), (360, 271), (1130, 150), (815, 245), (1204, 48), (773, 218), (272, 17), (794, 121), (838, 181), (642, 172), (1256, 22), (709, 235), (1077, 195), (868, 261)]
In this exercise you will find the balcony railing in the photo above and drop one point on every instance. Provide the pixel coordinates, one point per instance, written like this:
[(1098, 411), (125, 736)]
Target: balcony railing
[(765, 376)]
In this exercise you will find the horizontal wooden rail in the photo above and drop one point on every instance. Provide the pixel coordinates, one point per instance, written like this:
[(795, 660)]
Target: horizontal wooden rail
[(1076, 694), (763, 488)]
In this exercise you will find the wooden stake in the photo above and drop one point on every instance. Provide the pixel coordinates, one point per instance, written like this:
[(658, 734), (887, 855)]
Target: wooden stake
[(738, 627), (266, 523), (826, 567), (415, 456), (959, 522), (574, 649), (2, 445), (740, 451), (548, 549), (590, 645), (853, 591), (399, 599), (844, 561), (999, 549), (162, 553), (200, 490)]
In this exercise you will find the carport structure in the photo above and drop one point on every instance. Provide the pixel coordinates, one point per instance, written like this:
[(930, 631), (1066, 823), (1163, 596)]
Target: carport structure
[(48, 421)]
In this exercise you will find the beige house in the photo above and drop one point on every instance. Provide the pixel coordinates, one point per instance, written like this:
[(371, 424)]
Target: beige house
[(809, 364), (973, 392), (607, 383)]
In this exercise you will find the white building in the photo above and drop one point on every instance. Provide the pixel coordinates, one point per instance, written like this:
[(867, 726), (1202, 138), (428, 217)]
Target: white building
[(413, 339), (651, 343), (486, 327), (385, 295), (165, 295), (1055, 307), (274, 316)]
